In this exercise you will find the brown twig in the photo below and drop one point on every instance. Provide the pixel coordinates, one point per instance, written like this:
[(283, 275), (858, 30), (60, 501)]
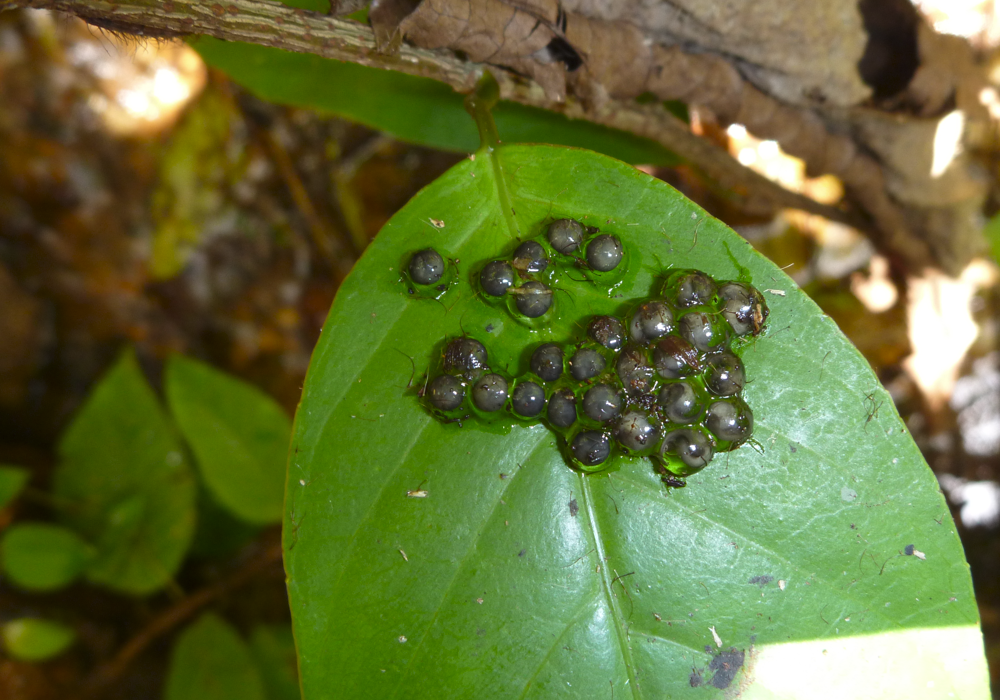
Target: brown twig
[(109, 672), (268, 23), (333, 245)]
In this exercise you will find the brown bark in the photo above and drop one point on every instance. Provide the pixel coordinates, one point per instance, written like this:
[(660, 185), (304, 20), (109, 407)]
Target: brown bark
[(612, 62)]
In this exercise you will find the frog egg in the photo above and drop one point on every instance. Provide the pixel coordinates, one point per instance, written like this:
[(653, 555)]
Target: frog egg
[(601, 403), (725, 376), (527, 399), (530, 257), (586, 363), (692, 288), (698, 329), (634, 371), (651, 320), (426, 266), (466, 357), (679, 402), (743, 307), (730, 421), (635, 432), (604, 253), (547, 362), (675, 357), (489, 394), (496, 278), (565, 235), (608, 331), (691, 446), (532, 299), (562, 408), (591, 447), (445, 392)]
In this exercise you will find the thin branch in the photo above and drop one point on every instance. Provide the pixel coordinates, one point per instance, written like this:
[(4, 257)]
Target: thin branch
[(109, 672), (268, 23)]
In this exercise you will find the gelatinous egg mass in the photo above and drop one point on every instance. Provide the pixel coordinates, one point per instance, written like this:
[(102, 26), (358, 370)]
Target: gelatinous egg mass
[(660, 380)]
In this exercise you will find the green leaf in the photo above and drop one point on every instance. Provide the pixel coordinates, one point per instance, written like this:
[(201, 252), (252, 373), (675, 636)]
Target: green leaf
[(43, 557), (132, 490), (418, 110), (211, 662), (12, 480), (239, 436), (518, 577), (273, 648), (30, 639), (992, 233)]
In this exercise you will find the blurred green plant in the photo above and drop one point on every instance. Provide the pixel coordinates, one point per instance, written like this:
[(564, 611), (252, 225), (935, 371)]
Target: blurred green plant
[(992, 232), (212, 662), (12, 480), (131, 509), (33, 639)]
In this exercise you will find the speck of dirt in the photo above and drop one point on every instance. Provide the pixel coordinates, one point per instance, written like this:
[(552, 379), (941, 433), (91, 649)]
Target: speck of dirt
[(761, 580), (573, 508), (726, 665)]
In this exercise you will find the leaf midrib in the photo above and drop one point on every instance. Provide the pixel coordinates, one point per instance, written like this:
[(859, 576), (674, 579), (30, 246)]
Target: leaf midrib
[(621, 634)]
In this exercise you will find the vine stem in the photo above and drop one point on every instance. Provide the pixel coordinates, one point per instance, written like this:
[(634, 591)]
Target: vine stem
[(478, 103)]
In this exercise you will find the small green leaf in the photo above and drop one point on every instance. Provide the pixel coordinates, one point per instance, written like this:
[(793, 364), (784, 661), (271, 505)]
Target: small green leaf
[(132, 490), (273, 647), (12, 480), (239, 436), (992, 233), (31, 639), (211, 662), (43, 557), (418, 110)]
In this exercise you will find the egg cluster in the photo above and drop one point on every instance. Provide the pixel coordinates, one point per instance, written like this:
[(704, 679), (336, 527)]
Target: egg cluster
[(660, 381)]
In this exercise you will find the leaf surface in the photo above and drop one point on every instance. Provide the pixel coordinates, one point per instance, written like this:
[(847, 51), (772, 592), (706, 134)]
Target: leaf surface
[(518, 577), (131, 489)]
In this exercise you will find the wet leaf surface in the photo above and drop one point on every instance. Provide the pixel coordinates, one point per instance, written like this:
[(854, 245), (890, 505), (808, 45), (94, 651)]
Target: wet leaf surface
[(493, 582)]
